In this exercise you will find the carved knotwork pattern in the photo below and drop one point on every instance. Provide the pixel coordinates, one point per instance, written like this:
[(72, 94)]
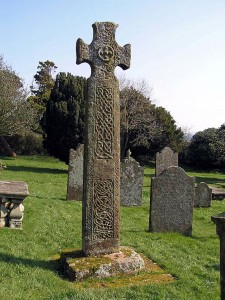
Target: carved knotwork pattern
[(103, 209), (104, 123)]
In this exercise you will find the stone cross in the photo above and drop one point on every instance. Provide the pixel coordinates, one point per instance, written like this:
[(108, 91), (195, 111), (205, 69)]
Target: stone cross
[(101, 193)]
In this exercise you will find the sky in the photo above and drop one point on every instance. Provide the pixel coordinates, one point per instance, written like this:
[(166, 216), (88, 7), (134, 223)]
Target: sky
[(177, 47)]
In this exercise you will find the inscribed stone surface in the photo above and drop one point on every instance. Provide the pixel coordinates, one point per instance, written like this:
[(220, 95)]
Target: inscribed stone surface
[(164, 159), (172, 201), (132, 175), (101, 199), (203, 195), (75, 176)]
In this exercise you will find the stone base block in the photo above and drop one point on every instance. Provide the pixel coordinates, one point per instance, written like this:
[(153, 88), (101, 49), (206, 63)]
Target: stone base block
[(77, 268)]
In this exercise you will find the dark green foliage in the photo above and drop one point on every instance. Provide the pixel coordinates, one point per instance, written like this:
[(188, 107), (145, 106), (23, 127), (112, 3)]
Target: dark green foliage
[(146, 128), (26, 144), (167, 132), (206, 149), (63, 121)]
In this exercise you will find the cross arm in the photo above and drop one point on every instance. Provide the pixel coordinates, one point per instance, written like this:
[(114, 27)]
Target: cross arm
[(82, 51), (124, 54)]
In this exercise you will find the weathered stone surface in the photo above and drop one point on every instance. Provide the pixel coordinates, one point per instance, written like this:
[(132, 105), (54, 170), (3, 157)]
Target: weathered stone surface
[(132, 175), (217, 194), (12, 194), (219, 220), (203, 195), (75, 174), (125, 261), (164, 159), (172, 201), (101, 199)]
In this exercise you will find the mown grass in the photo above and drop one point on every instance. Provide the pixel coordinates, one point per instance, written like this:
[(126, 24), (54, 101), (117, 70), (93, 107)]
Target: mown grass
[(52, 224)]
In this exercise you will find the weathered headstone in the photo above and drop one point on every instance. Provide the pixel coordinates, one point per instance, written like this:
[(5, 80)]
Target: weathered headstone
[(164, 159), (203, 195), (75, 174), (101, 200), (172, 202), (132, 175)]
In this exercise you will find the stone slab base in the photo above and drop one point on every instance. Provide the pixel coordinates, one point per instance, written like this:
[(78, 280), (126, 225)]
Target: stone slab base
[(77, 268)]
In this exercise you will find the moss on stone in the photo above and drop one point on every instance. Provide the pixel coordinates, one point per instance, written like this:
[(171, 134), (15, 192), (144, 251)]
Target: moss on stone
[(92, 262)]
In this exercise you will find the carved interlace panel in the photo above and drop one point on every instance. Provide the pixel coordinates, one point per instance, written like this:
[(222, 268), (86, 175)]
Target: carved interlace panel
[(104, 123), (103, 209), (102, 150)]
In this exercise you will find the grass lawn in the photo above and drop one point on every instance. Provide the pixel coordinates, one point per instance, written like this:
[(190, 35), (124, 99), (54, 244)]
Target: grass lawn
[(52, 224)]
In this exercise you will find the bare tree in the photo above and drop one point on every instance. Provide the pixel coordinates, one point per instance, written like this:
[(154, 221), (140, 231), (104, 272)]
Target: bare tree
[(16, 114), (137, 114)]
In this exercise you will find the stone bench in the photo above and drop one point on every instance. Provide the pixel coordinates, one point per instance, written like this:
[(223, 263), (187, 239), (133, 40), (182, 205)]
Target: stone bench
[(12, 194)]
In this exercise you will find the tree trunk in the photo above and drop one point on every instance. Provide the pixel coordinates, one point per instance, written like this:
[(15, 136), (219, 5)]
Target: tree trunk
[(8, 149)]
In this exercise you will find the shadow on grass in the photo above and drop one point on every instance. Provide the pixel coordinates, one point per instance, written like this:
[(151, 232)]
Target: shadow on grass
[(211, 267), (32, 263), (209, 180), (149, 175), (36, 170)]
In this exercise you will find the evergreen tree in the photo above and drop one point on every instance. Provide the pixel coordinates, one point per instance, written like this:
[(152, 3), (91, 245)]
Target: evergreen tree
[(206, 149), (40, 92), (63, 121)]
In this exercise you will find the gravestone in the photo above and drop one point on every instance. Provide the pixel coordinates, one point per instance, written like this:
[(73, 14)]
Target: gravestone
[(219, 220), (172, 201), (203, 195), (131, 176), (164, 159), (75, 174), (101, 199)]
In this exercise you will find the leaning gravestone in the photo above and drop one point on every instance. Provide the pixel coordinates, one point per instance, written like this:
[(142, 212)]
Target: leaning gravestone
[(75, 174), (131, 176), (172, 201), (101, 199), (203, 195), (164, 159)]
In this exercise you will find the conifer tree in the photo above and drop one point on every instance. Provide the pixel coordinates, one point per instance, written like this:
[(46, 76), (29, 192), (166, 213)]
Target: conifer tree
[(63, 121)]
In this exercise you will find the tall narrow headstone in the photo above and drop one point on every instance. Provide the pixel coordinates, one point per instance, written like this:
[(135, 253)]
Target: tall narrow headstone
[(164, 159), (172, 202), (132, 176), (75, 174), (101, 199)]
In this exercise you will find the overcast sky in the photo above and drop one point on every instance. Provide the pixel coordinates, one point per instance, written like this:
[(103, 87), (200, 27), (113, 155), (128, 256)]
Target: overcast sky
[(177, 46)]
